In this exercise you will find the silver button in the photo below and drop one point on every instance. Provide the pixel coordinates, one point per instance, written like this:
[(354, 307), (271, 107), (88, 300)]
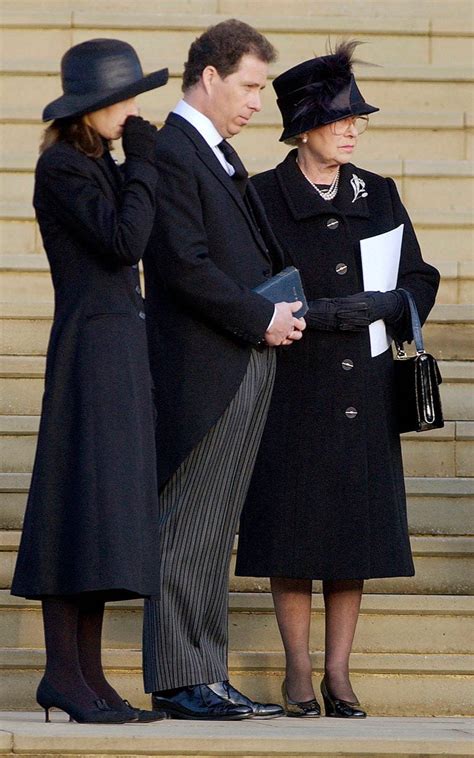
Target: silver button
[(138, 289), (351, 412), (341, 269), (347, 364), (142, 315), (332, 223)]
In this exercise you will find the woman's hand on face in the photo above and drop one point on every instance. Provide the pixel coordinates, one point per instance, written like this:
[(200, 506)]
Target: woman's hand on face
[(138, 139)]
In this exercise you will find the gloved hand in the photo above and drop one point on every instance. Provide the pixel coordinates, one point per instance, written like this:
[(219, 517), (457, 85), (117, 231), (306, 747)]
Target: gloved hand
[(388, 306), (138, 139), (330, 315)]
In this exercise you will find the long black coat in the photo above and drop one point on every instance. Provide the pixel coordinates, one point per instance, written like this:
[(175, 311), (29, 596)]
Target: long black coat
[(327, 498), (204, 255), (91, 520)]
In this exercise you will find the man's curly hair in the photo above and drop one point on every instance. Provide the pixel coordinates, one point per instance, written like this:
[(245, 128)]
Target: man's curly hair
[(223, 46)]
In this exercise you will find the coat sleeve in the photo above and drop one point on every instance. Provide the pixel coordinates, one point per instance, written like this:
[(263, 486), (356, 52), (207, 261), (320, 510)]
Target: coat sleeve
[(66, 182), (179, 249), (415, 275)]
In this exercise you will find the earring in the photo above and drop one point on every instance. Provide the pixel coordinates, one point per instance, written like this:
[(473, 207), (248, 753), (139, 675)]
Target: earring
[(304, 140)]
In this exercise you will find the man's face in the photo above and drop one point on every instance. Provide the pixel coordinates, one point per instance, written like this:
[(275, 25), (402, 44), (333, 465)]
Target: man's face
[(233, 100)]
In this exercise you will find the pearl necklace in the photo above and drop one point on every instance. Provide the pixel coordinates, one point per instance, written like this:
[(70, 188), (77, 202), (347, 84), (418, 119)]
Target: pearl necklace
[(326, 194)]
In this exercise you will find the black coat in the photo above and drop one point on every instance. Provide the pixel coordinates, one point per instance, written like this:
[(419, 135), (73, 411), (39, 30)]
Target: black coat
[(204, 256), (91, 521), (327, 498)]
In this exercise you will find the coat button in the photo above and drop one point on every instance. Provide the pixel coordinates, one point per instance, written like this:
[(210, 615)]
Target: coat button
[(142, 315), (332, 223), (138, 289), (135, 265), (347, 364), (341, 269), (351, 412)]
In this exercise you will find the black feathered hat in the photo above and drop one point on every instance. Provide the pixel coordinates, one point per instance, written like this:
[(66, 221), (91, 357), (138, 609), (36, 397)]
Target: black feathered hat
[(98, 73), (320, 91)]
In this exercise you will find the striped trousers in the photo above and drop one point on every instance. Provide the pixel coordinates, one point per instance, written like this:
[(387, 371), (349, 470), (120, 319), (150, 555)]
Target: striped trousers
[(185, 632)]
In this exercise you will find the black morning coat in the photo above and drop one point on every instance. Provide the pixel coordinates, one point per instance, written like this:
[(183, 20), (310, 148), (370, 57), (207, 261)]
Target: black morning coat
[(327, 498), (91, 522), (204, 256)]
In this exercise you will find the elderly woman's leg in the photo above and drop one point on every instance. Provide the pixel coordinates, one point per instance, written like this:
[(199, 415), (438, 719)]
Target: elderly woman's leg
[(292, 600), (342, 603)]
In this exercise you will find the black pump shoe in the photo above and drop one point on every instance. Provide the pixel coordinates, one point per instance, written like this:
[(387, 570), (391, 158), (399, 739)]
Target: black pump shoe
[(141, 716), (340, 709), (47, 697), (306, 709)]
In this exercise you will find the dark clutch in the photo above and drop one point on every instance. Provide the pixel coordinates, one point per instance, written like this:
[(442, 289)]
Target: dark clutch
[(417, 381), (285, 287)]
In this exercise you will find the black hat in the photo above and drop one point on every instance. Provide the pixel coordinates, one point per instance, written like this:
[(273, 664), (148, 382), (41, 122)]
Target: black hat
[(319, 91), (98, 73)]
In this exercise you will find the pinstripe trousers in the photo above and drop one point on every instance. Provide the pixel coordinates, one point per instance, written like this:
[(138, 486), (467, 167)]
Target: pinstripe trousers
[(185, 632)]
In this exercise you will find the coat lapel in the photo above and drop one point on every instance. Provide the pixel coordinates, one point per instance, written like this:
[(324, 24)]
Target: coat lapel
[(206, 155), (109, 176)]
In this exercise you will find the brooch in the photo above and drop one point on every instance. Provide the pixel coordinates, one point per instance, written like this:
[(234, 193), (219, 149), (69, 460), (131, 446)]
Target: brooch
[(358, 185)]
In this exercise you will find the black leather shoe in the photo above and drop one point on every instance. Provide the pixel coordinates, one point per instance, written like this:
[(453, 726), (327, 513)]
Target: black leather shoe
[(259, 710), (199, 702), (141, 716)]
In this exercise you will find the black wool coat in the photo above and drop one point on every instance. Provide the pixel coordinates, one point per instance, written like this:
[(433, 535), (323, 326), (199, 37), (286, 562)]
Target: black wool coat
[(327, 498), (91, 522), (204, 256)]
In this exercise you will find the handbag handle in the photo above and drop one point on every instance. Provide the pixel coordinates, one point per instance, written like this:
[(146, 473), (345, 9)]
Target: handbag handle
[(415, 326)]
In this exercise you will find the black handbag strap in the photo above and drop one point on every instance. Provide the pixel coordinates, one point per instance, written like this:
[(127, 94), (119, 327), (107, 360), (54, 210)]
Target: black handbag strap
[(415, 322)]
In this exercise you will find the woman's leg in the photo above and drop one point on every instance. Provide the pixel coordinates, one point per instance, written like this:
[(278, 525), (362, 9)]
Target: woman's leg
[(292, 600), (63, 670), (89, 640), (342, 603)]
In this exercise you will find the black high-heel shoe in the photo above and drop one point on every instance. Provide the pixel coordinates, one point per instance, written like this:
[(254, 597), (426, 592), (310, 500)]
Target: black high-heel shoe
[(47, 697), (141, 716), (340, 709), (309, 709)]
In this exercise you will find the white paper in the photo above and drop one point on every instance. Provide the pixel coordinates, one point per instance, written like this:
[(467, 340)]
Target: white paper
[(380, 261)]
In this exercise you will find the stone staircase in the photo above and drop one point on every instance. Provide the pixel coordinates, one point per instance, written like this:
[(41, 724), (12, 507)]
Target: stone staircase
[(411, 652)]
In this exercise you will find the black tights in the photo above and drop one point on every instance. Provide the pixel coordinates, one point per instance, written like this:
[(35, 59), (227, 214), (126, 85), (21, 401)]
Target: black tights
[(73, 632)]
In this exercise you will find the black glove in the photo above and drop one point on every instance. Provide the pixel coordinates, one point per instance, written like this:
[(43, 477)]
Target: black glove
[(388, 306), (332, 316), (138, 139)]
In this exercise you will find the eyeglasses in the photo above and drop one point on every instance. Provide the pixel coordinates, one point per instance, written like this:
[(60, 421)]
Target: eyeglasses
[(340, 127)]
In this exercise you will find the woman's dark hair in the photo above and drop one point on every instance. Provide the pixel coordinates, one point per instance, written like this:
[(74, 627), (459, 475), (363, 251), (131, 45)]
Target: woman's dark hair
[(77, 133), (222, 46)]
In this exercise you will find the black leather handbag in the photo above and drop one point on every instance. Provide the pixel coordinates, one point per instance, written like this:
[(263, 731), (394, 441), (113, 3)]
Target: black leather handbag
[(417, 381)]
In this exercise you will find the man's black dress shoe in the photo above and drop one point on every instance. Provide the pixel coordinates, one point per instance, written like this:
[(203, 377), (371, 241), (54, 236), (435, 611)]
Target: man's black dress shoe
[(259, 710), (198, 702)]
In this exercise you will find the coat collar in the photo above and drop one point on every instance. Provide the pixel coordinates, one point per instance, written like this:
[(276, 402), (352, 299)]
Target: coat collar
[(304, 202), (206, 155)]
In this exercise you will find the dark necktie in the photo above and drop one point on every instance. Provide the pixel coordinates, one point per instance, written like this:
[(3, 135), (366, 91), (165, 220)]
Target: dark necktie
[(240, 176)]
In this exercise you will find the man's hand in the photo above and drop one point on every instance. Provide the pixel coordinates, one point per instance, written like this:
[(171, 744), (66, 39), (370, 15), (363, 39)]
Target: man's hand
[(285, 328)]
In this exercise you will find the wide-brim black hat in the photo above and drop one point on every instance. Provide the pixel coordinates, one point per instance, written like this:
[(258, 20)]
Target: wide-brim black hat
[(98, 73), (319, 92)]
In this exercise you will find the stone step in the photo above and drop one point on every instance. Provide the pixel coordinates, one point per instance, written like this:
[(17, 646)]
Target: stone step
[(31, 45), (429, 15), (437, 506), (443, 238), (381, 737), (443, 567), (400, 135), (448, 333), (395, 684), (25, 277), (406, 624), (443, 186), (446, 452)]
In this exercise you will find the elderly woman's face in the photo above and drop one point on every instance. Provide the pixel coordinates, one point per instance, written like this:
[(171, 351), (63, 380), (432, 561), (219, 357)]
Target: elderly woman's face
[(334, 143), (108, 122)]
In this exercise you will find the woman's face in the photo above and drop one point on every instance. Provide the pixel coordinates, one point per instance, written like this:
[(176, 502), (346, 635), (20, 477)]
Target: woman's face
[(333, 144), (108, 122)]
